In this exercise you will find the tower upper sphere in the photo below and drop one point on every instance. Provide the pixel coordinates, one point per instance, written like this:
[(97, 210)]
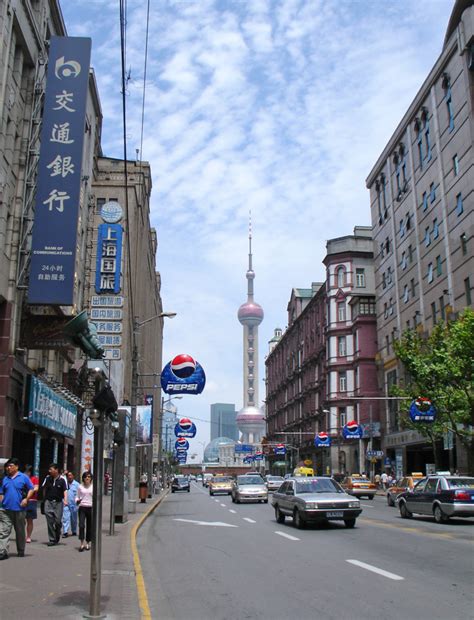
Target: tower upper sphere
[(250, 314)]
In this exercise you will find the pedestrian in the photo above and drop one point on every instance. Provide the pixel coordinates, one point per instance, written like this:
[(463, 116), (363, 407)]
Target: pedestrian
[(70, 509), (31, 509), (15, 491), (377, 480), (384, 479), (106, 483), (84, 501), (55, 498)]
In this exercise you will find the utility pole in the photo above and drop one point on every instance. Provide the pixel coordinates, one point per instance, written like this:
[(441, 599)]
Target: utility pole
[(132, 450), (161, 473), (97, 489)]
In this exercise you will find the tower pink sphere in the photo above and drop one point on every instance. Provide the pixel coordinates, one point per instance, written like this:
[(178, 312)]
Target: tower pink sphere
[(250, 314)]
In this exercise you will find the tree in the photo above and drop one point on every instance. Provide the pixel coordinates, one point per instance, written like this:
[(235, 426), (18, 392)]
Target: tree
[(440, 367)]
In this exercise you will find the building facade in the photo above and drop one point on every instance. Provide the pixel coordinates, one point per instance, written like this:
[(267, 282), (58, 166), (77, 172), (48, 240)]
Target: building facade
[(321, 372), (223, 421), (422, 209)]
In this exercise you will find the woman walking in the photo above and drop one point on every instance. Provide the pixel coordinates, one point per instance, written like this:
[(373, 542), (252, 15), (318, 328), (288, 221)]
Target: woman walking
[(31, 508), (84, 501)]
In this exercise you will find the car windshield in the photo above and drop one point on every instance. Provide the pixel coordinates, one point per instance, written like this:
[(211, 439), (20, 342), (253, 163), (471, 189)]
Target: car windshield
[(364, 480), (222, 479), (249, 480), (274, 478), (461, 483), (323, 485), (180, 479)]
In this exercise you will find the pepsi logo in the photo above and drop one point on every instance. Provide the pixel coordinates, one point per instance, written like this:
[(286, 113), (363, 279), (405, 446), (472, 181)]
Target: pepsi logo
[(423, 404), (280, 445), (185, 424), (352, 426), (182, 442), (323, 436), (183, 366)]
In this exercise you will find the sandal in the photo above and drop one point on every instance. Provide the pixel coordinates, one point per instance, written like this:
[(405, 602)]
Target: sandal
[(87, 547), (28, 540), (81, 548)]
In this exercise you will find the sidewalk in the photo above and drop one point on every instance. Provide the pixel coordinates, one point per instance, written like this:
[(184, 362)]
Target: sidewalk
[(53, 582)]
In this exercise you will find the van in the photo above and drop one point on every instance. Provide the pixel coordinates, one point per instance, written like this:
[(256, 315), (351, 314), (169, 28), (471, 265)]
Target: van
[(303, 471)]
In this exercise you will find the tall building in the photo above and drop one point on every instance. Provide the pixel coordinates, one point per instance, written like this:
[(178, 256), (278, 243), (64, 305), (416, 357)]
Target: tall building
[(223, 421), (250, 419), (422, 207)]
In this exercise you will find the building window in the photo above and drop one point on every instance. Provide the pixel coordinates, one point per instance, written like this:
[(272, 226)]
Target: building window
[(404, 262), (341, 311), (343, 382), (464, 244), (379, 206), (406, 294), (408, 224), (425, 201), (467, 289), (387, 245), (385, 311), (430, 272), (427, 137), (402, 228), (384, 195), (384, 280), (410, 253), (433, 312), (420, 148), (432, 192), (382, 249), (413, 287), (387, 344), (360, 278), (342, 416), (459, 206), (427, 236), (396, 161), (442, 310), (439, 266), (455, 165), (435, 228), (449, 108), (341, 277), (390, 306), (341, 346), (389, 275)]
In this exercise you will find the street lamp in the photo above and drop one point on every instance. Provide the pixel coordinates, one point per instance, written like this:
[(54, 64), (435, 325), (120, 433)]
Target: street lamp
[(132, 452)]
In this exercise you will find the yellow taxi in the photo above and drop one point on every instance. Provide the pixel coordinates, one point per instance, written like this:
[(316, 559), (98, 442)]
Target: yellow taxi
[(220, 484), (403, 484), (359, 486)]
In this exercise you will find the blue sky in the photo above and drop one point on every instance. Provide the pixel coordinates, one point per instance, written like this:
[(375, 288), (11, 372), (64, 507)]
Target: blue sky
[(278, 106)]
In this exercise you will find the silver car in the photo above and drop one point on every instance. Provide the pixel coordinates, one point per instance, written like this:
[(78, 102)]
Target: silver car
[(274, 483), (249, 489), (315, 499)]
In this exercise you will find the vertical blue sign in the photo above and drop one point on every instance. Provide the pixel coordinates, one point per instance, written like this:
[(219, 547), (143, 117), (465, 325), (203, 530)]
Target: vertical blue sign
[(109, 258), (53, 252)]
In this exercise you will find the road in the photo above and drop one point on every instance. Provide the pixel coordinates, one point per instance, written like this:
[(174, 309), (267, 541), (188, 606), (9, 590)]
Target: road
[(205, 558)]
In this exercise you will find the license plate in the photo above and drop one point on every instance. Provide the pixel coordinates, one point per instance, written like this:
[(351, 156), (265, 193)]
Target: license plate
[(334, 514)]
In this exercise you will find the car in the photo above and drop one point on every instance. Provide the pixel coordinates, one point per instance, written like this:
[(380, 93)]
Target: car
[(440, 497), (402, 485), (180, 483), (249, 489), (220, 484), (274, 482), (359, 486), (314, 499), (205, 479)]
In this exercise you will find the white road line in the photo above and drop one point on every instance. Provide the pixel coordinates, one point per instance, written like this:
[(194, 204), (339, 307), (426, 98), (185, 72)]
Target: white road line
[(249, 520), (374, 569), (216, 500), (234, 512), (223, 505), (212, 523), (285, 535)]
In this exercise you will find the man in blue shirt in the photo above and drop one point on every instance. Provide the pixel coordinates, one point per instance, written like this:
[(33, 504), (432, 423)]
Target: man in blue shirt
[(15, 491), (70, 509)]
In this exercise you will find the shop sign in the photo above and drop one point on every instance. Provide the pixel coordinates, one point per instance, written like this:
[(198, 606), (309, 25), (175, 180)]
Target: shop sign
[(113, 354), (58, 192), (106, 314), (49, 410), (109, 258), (109, 327), (110, 301)]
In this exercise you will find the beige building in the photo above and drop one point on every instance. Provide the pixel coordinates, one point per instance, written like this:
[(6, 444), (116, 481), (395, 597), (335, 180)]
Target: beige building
[(422, 199)]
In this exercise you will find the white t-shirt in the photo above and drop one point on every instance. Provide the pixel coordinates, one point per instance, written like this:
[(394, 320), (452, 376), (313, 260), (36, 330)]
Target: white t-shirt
[(84, 494)]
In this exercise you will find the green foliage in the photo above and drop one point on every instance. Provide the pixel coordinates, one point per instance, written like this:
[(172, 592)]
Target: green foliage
[(440, 367)]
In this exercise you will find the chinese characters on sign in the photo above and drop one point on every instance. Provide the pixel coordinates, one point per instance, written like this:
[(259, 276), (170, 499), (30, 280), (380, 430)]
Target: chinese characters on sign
[(109, 258), (53, 252)]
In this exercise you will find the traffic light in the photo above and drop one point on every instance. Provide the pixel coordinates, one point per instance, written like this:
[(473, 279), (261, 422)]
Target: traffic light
[(83, 334)]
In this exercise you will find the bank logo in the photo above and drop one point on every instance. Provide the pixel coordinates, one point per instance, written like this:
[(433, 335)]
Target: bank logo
[(66, 68)]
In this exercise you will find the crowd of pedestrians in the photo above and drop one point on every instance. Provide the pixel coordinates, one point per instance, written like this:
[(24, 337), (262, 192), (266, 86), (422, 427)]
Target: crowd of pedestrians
[(64, 503)]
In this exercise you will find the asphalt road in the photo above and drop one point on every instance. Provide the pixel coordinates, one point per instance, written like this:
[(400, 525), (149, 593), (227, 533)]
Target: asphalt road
[(205, 558)]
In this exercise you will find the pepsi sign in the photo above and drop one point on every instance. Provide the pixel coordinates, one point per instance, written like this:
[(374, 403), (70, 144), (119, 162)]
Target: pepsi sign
[(181, 442), (322, 440), (279, 449), (248, 459), (422, 410), (183, 375), (258, 456), (185, 428), (352, 430)]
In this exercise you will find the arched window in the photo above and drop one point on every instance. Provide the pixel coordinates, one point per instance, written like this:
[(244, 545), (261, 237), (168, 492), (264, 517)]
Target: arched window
[(341, 276)]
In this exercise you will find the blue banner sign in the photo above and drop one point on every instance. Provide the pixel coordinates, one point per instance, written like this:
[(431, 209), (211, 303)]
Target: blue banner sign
[(352, 430), (183, 375), (181, 442), (109, 258), (258, 456), (422, 410), (280, 449), (322, 440), (248, 459), (242, 447), (49, 410), (185, 428), (53, 251)]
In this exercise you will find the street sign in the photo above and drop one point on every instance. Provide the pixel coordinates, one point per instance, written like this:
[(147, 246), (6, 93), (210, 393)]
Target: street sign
[(376, 454)]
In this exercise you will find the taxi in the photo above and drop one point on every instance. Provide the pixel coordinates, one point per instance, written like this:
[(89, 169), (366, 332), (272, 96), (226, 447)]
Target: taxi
[(358, 486), (220, 484), (402, 485)]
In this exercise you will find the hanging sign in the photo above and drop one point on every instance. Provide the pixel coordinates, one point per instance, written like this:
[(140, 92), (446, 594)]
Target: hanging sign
[(248, 459), (258, 456), (181, 442), (322, 440), (422, 410), (279, 449), (185, 428), (352, 430), (183, 375)]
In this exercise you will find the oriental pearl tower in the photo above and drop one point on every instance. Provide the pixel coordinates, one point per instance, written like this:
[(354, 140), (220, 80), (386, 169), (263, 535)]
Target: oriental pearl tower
[(250, 419)]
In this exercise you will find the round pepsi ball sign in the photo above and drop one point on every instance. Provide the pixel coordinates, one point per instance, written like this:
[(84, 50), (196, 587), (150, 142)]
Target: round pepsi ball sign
[(183, 366)]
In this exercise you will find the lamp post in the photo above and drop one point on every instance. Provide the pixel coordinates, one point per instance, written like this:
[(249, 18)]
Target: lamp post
[(161, 472), (132, 452)]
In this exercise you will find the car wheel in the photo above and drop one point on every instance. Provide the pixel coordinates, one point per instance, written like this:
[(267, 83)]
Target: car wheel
[(349, 523), (279, 516), (172, 490), (370, 496), (439, 515), (189, 490), (265, 501), (297, 520), (390, 501), (404, 512), (211, 493)]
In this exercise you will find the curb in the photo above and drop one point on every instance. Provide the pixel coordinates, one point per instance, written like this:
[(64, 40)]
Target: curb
[(140, 581)]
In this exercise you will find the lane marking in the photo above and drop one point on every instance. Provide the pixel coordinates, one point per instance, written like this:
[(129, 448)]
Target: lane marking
[(374, 569), (223, 505), (213, 523), (216, 500), (414, 530), (234, 512), (249, 520), (285, 535)]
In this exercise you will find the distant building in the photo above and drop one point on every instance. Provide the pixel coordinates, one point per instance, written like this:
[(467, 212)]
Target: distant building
[(422, 206), (223, 421), (213, 449)]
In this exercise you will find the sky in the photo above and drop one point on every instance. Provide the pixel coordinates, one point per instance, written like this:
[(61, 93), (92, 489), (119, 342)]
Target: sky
[(278, 107)]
